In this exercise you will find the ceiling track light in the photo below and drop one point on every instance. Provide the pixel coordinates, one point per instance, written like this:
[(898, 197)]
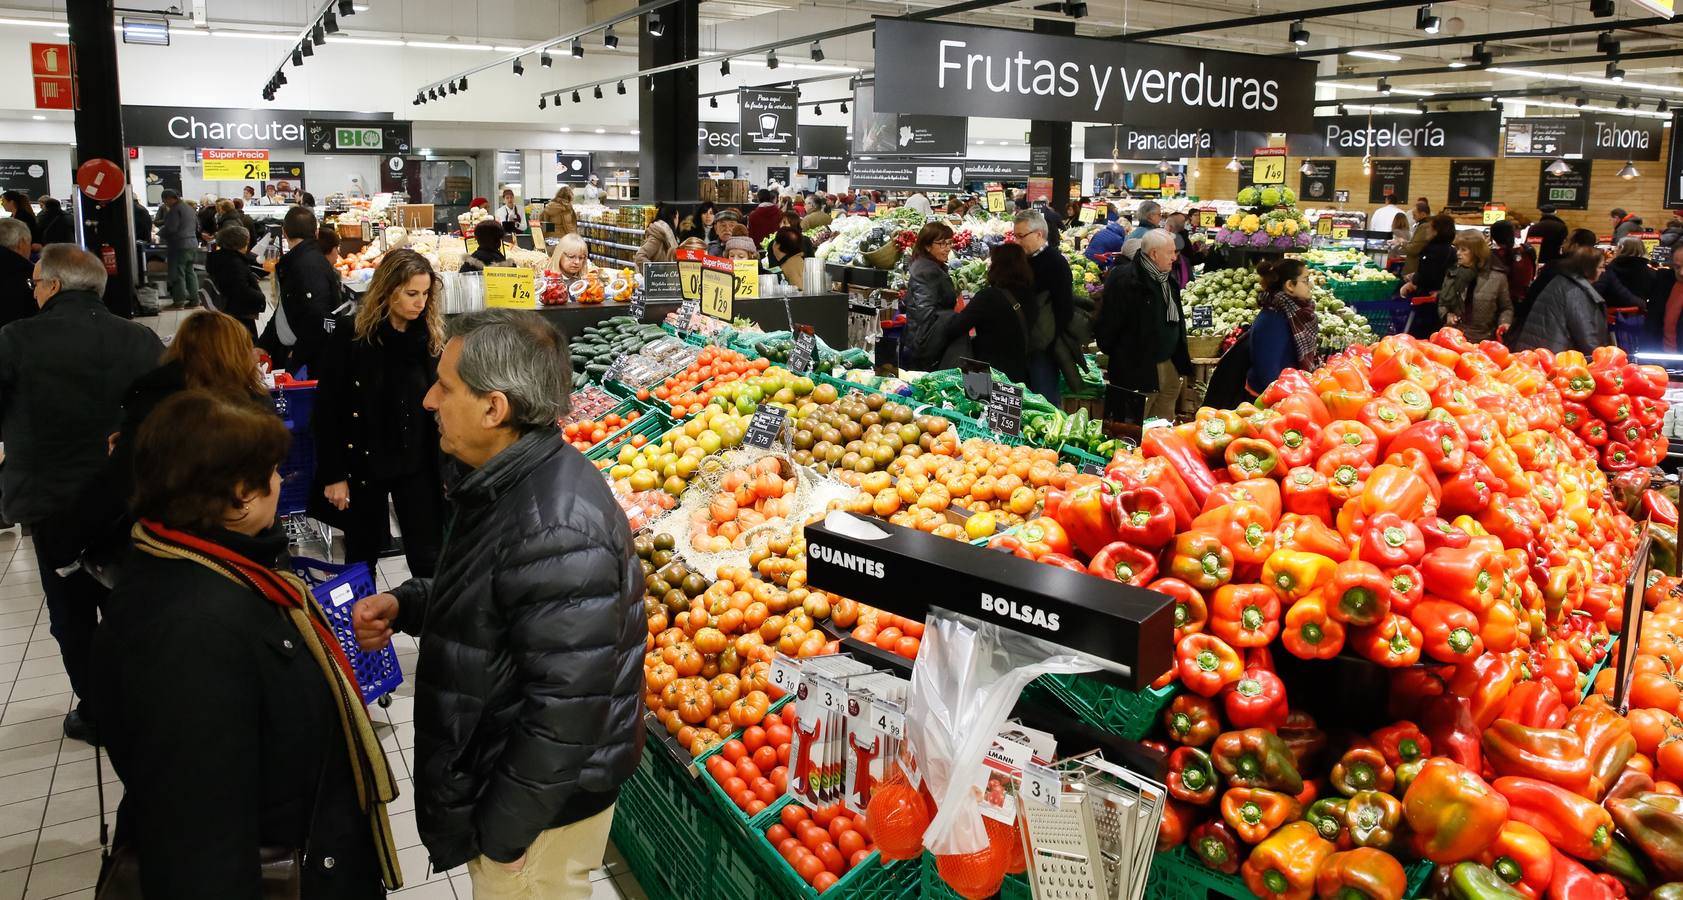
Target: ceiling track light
[(464, 82), (817, 52), (347, 7), (771, 59), (543, 103), (724, 67), (1425, 21), (844, 108), (577, 98), (452, 87), (578, 48), (298, 54), (329, 24), (280, 77), (818, 109), (1624, 102), (545, 60), (656, 26), (712, 102), (1343, 110), (1605, 43), (1614, 73), (1601, 9), (1385, 87), (318, 36), (519, 69), (1420, 105), (621, 89), (1629, 171), (1075, 10), (1663, 107), (610, 41), (1299, 34), (1482, 54), (597, 92)]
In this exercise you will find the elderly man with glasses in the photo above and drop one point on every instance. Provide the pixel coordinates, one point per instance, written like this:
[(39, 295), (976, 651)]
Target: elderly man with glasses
[(1665, 307), (17, 299), (1052, 284)]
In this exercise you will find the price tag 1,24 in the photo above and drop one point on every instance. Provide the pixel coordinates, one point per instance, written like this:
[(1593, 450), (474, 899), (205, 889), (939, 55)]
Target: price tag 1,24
[(1042, 785), (510, 287)]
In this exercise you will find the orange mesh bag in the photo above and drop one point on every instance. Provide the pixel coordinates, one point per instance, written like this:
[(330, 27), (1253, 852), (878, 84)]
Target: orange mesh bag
[(897, 816), (1001, 834), (975, 876)]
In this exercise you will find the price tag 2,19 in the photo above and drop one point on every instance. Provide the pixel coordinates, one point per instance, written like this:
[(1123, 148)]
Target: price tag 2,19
[(764, 427), (1005, 408), (1042, 785)]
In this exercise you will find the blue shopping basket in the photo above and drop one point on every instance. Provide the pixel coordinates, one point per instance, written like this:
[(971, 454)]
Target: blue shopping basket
[(294, 403), (337, 588)]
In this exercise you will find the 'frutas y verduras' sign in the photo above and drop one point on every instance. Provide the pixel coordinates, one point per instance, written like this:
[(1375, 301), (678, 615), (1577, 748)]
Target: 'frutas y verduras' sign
[(938, 68)]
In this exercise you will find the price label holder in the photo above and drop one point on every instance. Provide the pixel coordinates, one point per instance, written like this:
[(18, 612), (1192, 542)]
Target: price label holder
[(827, 694), (1340, 232), (616, 369), (887, 717), (1323, 226), (1042, 785), (1269, 166), (661, 281), (1494, 212), (686, 317), (235, 165), (718, 287), (1207, 218), (996, 202), (785, 674), (747, 278), (689, 266), (639, 306), (1203, 316), (1087, 216), (801, 356), (767, 423), (1005, 408), (1091, 469), (510, 287)]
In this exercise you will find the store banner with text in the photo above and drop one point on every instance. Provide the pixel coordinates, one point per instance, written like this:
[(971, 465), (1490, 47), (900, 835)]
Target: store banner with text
[(29, 176), (823, 149), (1622, 138), (1674, 164), (907, 174), (190, 126), (939, 68), (1567, 191), (1450, 134), (1389, 181), (1317, 184), (511, 170), (1547, 136), (373, 138), (1107, 142), (766, 120)]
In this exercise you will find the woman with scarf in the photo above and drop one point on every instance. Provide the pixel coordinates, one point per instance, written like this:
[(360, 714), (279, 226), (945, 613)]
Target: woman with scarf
[(373, 438), (1285, 334), (229, 708)]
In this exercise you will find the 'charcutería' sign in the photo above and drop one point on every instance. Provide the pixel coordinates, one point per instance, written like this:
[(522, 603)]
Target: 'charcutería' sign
[(1622, 138), (1463, 134), (187, 126), (939, 68)]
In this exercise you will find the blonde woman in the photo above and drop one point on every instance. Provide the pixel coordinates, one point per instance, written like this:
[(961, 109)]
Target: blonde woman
[(571, 257), (373, 438)]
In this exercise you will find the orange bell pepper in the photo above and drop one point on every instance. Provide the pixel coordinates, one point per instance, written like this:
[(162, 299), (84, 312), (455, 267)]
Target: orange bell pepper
[(1454, 814), (1284, 866)]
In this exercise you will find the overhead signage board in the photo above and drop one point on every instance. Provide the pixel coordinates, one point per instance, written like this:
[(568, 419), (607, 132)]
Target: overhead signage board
[(766, 120), (823, 149), (1674, 164), (179, 126), (1389, 180), (28, 176), (1106, 142), (511, 168), (1452, 134), (1471, 182), (1622, 138), (1549, 136), (1317, 183), (370, 138), (907, 174), (235, 165), (1568, 191), (969, 70), (885, 133), (573, 168)]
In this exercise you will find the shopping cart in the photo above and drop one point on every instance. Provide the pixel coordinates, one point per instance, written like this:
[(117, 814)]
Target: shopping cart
[(1626, 324), (337, 587), (294, 402)]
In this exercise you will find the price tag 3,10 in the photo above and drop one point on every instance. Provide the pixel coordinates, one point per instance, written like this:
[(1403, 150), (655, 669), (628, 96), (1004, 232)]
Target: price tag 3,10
[(785, 674), (1042, 785)]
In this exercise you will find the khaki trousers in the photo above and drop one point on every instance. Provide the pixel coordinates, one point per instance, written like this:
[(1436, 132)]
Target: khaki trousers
[(558, 864), (1163, 402)]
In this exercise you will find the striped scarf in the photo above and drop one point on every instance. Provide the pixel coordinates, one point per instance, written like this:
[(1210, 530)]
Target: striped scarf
[(375, 786), (1300, 316), (1160, 278)]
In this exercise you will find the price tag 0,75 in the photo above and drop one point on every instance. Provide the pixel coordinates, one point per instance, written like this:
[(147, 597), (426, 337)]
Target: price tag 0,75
[(1042, 785)]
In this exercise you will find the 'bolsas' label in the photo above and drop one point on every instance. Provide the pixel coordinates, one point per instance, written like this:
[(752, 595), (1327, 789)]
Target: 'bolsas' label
[(850, 561), (1021, 612)]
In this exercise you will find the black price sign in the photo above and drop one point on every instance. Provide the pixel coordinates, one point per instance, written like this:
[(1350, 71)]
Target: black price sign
[(1091, 469), (616, 368), (1005, 408), (764, 427), (800, 358), (660, 281), (639, 305), (686, 316), (1203, 316)]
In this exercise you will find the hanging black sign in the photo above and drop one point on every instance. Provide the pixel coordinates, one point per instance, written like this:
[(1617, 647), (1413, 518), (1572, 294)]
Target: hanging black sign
[(1471, 182), (939, 68), (1247, 171), (1568, 191), (800, 358), (30, 176), (878, 133), (1040, 162), (1315, 185), (661, 282), (1389, 179), (824, 149), (1551, 136), (1105, 142), (1674, 164), (158, 180), (766, 120), (907, 174), (573, 168), (779, 174), (197, 126), (511, 168), (351, 136), (1435, 134), (1622, 138), (764, 427)]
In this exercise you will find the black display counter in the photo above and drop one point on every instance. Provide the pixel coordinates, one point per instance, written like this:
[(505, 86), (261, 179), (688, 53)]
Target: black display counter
[(826, 313)]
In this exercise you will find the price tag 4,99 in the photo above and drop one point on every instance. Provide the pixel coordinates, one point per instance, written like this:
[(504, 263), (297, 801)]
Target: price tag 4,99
[(1042, 785), (888, 718)]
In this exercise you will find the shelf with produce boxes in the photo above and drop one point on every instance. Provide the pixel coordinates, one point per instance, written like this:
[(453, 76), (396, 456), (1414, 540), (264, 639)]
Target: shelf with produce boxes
[(1232, 296)]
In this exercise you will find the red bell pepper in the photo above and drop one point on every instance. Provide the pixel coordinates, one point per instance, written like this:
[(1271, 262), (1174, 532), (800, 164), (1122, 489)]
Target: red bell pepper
[(1438, 532), (1214, 843), (1192, 720), (1042, 536), (1574, 382), (1243, 527), (1535, 704), (1574, 824), (1659, 508), (1393, 642), (1407, 588), (1570, 880), (1613, 408), (1410, 397), (1647, 381), (1143, 518), (1471, 576), (1450, 631), (1448, 721), (1346, 470), (1385, 418), (1618, 456), (1124, 562), (1264, 492), (1191, 611), (1307, 492), (1207, 664), (1468, 491), (1089, 514), (1398, 489), (1310, 633), (1359, 594), (1402, 742), (1481, 431), (1245, 615), (1443, 443), (1351, 433), (1200, 559), (1192, 777), (1309, 534), (1296, 436), (1179, 452), (1251, 458), (1389, 540), (1062, 561), (1256, 700)]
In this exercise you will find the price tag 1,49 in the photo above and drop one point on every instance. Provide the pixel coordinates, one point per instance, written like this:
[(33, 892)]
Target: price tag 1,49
[(1042, 785)]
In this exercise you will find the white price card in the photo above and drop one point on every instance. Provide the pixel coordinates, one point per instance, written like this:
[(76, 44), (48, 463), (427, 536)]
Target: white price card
[(832, 697), (1042, 785), (785, 674), (888, 718)]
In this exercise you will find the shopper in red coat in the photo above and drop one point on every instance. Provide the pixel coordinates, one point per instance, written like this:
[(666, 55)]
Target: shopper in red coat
[(765, 218)]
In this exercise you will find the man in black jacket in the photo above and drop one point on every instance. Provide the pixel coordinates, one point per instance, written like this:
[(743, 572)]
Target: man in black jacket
[(1142, 328), (528, 695), (1053, 280), (17, 298), (309, 294), (63, 375)]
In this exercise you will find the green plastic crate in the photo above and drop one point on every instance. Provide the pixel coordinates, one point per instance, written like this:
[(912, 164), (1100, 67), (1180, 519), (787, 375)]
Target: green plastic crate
[(1178, 875), (666, 828), (1070, 453), (1016, 887), (970, 428), (1105, 706), (623, 408), (651, 426), (717, 792), (842, 386)]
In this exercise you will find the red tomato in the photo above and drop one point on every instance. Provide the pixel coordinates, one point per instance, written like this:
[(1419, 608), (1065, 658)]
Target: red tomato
[(787, 847), (911, 628), (814, 838), (765, 790), (734, 785), (823, 882), (733, 750), (850, 843), (907, 647), (753, 738), (776, 833), (839, 826), (832, 858), (886, 638), (857, 858), (780, 779), (742, 798), (719, 768), (789, 717), (783, 755), (747, 771), (863, 828), (755, 807), (792, 816), (765, 758), (778, 736), (824, 815)]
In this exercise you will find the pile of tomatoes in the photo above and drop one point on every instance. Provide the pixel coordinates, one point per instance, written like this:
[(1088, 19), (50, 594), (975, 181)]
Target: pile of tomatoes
[(718, 363), (589, 433), (753, 770), (896, 634), (820, 845)]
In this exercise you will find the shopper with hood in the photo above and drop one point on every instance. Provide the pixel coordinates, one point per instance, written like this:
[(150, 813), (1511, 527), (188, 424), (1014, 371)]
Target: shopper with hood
[(1142, 328), (1475, 297), (1663, 324), (1286, 333), (1623, 224), (1626, 281), (558, 215), (765, 217), (930, 298), (660, 238), (374, 440), (1568, 314), (56, 227), (528, 690), (233, 271)]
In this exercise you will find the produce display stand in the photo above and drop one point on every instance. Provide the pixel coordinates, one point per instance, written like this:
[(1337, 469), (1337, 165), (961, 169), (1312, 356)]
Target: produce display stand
[(826, 313)]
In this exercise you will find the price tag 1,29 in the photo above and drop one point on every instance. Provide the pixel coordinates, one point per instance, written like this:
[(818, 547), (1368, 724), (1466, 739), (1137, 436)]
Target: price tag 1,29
[(718, 288), (1005, 408), (785, 674), (764, 427), (1042, 785), (800, 356)]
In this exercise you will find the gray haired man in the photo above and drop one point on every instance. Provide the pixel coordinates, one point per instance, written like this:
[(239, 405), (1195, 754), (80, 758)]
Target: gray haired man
[(528, 698), (1052, 284)]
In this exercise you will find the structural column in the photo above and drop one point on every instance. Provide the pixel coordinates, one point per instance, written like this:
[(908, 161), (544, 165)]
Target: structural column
[(99, 135), (667, 107), (1054, 135)]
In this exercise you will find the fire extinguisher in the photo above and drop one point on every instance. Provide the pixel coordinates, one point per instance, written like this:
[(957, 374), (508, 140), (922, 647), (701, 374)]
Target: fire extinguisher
[(109, 256)]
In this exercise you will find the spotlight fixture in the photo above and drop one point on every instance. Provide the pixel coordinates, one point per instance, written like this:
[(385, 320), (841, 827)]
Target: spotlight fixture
[(1385, 87), (1604, 43), (1425, 21), (1367, 165), (1306, 168), (464, 82), (1581, 101), (347, 7), (1614, 73), (1343, 110), (844, 108), (1629, 171), (1663, 107), (1482, 54), (817, 52), (771, 59), (1233, 165), (1075, 10), (545, 60), (452, 87), (1299, 34), (432, 94), (656, 26), (712, 102), (621, 90), (1558, 167), (1495, 105), (597, 93), (280, 77), (1601, 9), (1624, 102), (610, 41), (578, 48), (328, 23), (318, 36), (542, 103), (577, 98), (297, 56), (818, 109), (557, 100), (1420, 105), (519, 69), (724, 66), (1163, 165)]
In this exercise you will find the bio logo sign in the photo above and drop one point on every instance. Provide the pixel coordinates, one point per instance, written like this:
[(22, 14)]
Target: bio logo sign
[(359, 138)]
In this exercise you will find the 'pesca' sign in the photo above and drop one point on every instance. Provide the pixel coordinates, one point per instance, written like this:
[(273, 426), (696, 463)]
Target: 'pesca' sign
[(938, 68)]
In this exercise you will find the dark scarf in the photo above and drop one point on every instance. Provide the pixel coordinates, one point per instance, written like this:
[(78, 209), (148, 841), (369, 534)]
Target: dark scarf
[(1300, 316), (375, 786)]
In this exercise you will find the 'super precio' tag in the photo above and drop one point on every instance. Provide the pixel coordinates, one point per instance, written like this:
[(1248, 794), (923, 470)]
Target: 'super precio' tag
[(1042, 785)]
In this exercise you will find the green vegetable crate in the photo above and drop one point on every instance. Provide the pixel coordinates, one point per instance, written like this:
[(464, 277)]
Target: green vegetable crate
[(1384, 316), (1116, 710), (1177, 874)]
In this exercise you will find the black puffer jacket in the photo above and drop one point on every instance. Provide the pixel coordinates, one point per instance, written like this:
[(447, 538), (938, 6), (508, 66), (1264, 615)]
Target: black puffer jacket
[(1568, 315), (929, 294), (528, 711)]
